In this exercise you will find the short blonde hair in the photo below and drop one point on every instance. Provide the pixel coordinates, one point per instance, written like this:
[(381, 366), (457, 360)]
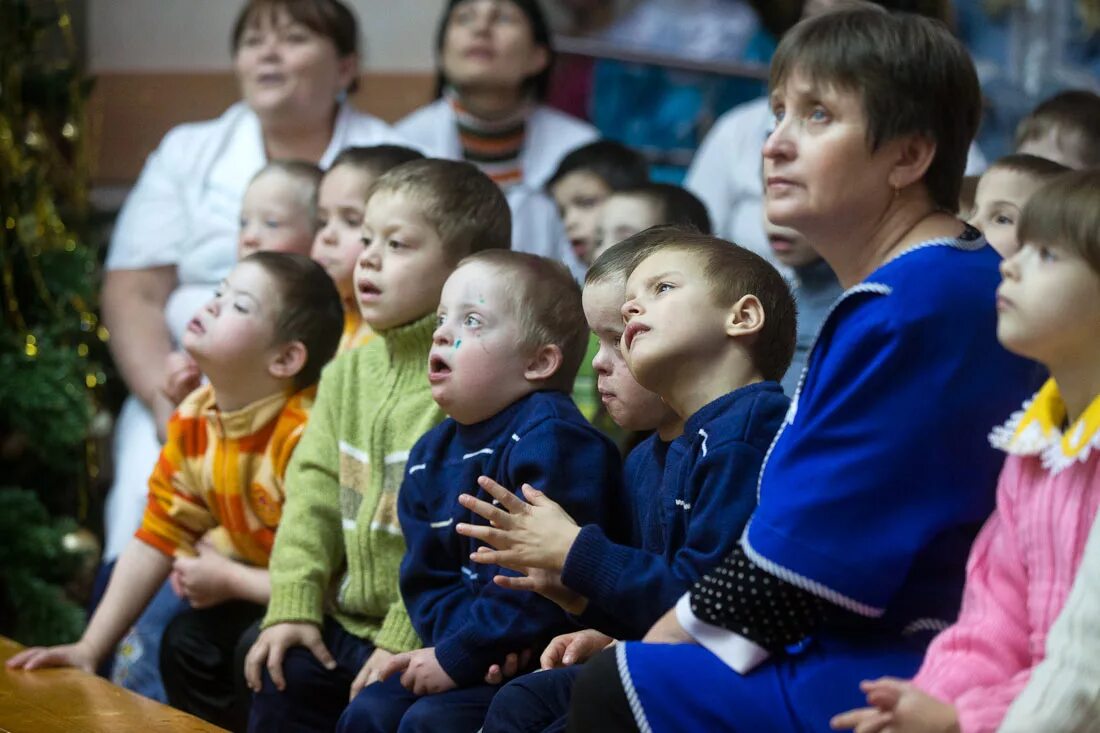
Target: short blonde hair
[(547, 302), (1066, 212)]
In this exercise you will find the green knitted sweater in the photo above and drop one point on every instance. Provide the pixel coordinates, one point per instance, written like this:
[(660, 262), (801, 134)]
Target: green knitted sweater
[(339, 545)]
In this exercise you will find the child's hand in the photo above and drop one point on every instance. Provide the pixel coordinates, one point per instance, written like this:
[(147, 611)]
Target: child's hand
[(181, 376), (547, 583), (67, 655), (513, 663), (371, 671), (668, 630), (420, 672), (898, 707), (271, 647), (573, 648), (205, 580), (526, 535)]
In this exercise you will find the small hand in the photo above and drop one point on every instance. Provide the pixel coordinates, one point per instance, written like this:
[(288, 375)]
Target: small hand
[(371, 671), (67, 655), (897, 706), (533, 534), (206, 579), (182, 376), (547, 583), (271, 646), (573, 648), (421, 673), (498, 674), (668, 630)]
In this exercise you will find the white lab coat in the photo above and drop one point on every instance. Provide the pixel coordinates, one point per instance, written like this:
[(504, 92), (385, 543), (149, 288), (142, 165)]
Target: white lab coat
[(726, 175), (184, 211), (551, 135)]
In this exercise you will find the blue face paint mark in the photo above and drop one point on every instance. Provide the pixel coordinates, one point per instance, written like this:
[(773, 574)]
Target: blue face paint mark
[(458, 343)]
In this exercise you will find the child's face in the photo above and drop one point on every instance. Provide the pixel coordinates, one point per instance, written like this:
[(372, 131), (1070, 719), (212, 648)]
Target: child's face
[(341, 201), (402, 265), (580, 195), (629, 404), (490, 43), (1000, 198), (477, 364), (274, 217), (622, 216), (1055, 145), (1048, 304), (671, 317), (237, 326), (788, 246)]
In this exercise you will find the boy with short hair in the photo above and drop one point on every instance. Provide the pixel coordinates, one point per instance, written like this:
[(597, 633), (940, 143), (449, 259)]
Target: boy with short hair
[(509, 339), (335, 562), (1063, 129), (632, 210), (718, 375), (261, 341), (1001, 193)]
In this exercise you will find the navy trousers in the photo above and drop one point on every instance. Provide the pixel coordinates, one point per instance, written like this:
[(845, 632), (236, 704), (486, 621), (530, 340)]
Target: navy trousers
[(387, 707), (534, 703)]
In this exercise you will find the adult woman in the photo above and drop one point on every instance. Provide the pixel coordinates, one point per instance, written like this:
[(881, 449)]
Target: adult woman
[(176, 235), (494, 60), (875, 486)]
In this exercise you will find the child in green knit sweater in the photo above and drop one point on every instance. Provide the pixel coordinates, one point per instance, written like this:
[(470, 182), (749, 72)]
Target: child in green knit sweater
[(336, 616)]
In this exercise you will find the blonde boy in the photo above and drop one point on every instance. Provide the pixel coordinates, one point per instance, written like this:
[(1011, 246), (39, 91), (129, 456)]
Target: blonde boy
[(1001, 194), (335, 615)]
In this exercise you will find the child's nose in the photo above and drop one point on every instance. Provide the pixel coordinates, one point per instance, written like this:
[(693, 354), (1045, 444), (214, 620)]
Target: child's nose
[(630, 309), (369, 257), (442, 335)]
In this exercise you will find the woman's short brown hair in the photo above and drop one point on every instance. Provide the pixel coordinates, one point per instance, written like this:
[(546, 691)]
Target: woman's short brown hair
[(331, 19), (1066, 213), (912, 75)]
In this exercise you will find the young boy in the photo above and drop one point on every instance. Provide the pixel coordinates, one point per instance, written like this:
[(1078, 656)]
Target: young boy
[(334, 568), (583, 181), (718, 376), (631, 210), (261, 341), (1063, 129), (1001, 194), (815, 290), (509, 339)]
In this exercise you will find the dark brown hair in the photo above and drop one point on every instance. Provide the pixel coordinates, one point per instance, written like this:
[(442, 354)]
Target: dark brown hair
[(331, 19), (1030, 165), (376, 160), (912, 75), (679, 206), (613, 163), (1074, 116), (309, 309), (460, 202), (1066, 212), (547, 302), (734, 272)]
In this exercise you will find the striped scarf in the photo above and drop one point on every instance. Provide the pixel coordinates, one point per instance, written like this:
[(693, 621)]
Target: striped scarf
[(493, 146)]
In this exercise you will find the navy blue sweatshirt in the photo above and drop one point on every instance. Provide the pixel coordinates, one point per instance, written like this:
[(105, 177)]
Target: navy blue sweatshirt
[(453, 602), (692, 518)]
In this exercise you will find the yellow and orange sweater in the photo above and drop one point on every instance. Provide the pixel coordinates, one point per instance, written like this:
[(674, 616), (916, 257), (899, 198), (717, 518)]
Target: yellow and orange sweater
[(224, 469)]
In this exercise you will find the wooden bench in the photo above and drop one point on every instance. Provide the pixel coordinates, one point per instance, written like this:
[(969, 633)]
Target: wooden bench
[(71, 701)]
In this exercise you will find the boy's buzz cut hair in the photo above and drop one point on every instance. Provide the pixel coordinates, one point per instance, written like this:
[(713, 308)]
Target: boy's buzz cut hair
[(1066, 212), (547, 302), (734, 272), (613, 163), (1073, 116), (679, 206), (376, 160), (461, 203), (309, 310), (304, 174), (1031, 166)]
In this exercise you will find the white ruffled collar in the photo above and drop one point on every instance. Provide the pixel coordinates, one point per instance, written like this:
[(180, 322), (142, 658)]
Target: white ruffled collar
[(1036, 430)]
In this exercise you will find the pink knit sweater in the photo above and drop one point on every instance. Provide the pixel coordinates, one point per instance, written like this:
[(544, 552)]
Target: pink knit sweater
[(1019, 573)]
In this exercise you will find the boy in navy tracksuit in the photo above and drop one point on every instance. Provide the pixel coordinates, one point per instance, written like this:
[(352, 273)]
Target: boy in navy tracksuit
[(709, 327), (511, 335)]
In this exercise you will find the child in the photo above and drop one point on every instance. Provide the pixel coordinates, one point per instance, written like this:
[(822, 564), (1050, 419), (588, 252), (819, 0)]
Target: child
[(631, 210), (583, 181), (815, 290), (261, 342), (1001, 194), (718, 377), (520, 319), (1023, 563), (334, 581), (278, 214), (1063, 129), (341, 198)]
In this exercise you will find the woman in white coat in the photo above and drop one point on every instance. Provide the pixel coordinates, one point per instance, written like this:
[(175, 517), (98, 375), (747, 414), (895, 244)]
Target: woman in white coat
[(494, 59), (176, 235)]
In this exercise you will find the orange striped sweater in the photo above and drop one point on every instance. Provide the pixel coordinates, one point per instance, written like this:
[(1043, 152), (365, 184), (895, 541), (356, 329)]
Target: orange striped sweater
[(224, 469)]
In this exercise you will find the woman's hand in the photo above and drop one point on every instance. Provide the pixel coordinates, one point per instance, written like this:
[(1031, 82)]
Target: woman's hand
[(896, 706), (525, 535), (573, 648), (668, 630), (371, 671)]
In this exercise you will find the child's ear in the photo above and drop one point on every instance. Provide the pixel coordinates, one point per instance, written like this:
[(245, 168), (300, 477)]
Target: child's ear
[(289, 359), (745, 317), (915, 155), (544, 363), (538, 60), (348, 68)]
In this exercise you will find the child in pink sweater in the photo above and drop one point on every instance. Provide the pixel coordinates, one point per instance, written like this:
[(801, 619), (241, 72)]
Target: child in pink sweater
[(1024, 560)]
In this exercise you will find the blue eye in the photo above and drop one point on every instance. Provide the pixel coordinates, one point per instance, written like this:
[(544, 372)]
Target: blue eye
[(472, 321), (819, 114), (1003, 220), (440, 320), (663, 287)]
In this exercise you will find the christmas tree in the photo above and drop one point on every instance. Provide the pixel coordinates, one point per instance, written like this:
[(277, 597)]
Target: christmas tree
[(50, 340)]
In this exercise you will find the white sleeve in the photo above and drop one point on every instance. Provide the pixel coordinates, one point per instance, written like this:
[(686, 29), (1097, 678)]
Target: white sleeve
[(738, 653), (709, 176)]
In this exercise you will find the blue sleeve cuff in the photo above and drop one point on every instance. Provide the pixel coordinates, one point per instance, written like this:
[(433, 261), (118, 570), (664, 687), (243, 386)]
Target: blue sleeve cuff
[(593, 566)]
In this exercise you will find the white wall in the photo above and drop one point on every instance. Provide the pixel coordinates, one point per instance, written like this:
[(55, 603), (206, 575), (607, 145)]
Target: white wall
[(193, 35)]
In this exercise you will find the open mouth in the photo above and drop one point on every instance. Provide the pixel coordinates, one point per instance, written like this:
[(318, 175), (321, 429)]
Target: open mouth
[(438, 368), (368, 290), (631, 332), (270, 78), (195, 326)]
